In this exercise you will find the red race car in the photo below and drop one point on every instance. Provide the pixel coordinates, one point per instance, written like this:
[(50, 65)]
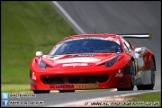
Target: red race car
[(93, 61)]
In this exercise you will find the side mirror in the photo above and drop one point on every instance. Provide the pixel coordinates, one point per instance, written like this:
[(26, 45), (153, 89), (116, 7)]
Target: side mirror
[(132, 46), (38, 54), (140, 50)]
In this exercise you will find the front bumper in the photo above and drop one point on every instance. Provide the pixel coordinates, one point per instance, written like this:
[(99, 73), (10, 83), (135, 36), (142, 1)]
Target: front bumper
[(115, 80)]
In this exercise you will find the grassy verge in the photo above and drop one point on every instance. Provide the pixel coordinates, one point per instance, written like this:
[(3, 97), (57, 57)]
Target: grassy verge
[(143, 100), (148, 99), (27, 26), (16, 88)]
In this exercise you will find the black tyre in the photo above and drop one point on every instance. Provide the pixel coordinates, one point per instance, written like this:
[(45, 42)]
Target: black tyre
[(132, 80), (41, 91), (150, 86), (65, 91)]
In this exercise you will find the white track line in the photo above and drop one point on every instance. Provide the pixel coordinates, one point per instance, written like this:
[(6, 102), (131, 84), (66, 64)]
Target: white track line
[(115, 98), (68, 17)]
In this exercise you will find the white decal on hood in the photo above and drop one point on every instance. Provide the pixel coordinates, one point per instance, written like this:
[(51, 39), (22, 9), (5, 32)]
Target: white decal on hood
[(75, 64), (80, 59)]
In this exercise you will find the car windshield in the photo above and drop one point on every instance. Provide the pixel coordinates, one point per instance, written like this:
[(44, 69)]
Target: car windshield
[(86, 46)]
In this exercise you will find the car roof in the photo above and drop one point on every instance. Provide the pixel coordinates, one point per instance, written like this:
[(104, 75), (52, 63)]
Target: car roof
[(97, 35), (106, 36)]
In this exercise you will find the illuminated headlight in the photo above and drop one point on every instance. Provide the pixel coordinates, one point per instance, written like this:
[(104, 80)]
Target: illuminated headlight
[(111, 62), (41, 64)]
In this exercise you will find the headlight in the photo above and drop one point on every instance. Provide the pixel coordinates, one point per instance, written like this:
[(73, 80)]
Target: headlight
[(41, 64), (111, 62)]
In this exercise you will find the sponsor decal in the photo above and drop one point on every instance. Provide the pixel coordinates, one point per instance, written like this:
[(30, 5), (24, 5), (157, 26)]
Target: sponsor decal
[(86, 55), (119, 74), (33, 76), (91, 37), (61, 86), (85, 86), (76, 86), (79, 59), (86, 37), (75, 64)]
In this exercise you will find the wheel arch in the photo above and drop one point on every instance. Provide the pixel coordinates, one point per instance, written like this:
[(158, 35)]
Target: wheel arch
[(154, 61)]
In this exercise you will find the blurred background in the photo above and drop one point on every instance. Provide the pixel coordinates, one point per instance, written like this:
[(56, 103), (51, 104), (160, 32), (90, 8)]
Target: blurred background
[(27, 26)]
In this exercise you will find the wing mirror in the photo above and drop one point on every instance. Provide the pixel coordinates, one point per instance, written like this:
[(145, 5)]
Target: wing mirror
[(140, 50), (39, 53)]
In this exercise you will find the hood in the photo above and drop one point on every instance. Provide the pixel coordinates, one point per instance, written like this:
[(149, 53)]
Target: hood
[(78, 59)]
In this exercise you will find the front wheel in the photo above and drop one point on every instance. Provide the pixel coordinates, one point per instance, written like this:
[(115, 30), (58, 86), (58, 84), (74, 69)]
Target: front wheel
[(132, 78), (41, 91)]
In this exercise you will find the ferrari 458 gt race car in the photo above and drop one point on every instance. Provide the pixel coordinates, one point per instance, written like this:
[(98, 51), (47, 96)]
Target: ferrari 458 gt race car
[(93, 61)]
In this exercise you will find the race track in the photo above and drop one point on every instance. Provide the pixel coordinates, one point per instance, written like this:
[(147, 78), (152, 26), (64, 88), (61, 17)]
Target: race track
[(111, 17)]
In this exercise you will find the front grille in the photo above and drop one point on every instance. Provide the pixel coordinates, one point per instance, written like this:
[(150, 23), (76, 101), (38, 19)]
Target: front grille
[(94, 79), (74, 79), (52, 80)]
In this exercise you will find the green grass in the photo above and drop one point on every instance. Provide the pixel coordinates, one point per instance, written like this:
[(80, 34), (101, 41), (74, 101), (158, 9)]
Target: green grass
[(27, 26), (143, 100), (16, 88), (149, 99)]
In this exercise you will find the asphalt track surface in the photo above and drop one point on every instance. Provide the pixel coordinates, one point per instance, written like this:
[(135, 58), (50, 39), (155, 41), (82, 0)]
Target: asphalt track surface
[(111, 17)]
